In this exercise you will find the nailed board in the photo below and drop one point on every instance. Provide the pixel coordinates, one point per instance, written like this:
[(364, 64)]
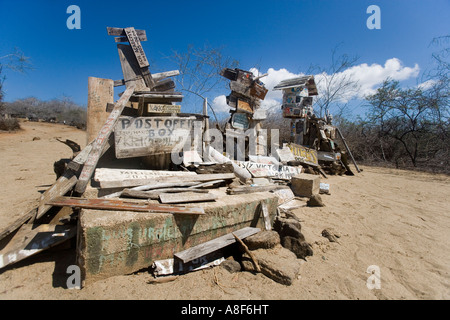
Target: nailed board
[(120, 205), (304, 154), (163, 108), (260, 170), (214, 245), (143, 136)]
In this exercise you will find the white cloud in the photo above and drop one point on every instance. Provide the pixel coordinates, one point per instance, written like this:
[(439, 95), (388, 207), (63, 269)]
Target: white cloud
[(219, 104), (369, 77)]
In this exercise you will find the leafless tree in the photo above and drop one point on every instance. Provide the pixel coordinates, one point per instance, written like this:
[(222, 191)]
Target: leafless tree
[(200, 71), (334, 85)]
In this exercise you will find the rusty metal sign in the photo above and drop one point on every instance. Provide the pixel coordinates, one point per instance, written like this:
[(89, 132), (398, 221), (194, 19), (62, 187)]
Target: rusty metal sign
[(121, 205)]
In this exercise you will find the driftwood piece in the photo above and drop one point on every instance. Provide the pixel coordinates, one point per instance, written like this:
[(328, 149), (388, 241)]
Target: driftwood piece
[(255, 262)]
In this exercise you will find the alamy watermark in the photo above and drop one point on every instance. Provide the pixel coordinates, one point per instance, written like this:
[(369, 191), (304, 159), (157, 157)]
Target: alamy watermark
[(374, 20), (74, 20)]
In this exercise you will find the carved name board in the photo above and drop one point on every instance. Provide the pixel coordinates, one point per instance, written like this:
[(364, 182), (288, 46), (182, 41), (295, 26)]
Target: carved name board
[(135, 43), (259, 170), (164, 108), (143, 136)]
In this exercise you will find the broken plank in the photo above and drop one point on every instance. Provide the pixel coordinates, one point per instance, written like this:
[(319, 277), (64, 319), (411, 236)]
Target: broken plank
[(215, 244), (107, 174), (130, 68), (120, 205), (121, 32), (154, 186), (31, 239), (191, 178), (18, 223), (64, 184), (248, 189), (155, 193), (101, 141), (186, 197)]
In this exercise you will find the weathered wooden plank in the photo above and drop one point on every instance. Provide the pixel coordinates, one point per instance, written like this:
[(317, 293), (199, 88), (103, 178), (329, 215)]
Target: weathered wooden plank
[(156, 180), (30, 240), (164, 108), (156, 76), (186, 197), (100, 92), (64, 184), (247, 189), (154, 194), (133, 39), (18, 223), (101, 141), (121, 32), (131, 71), (76, 163), (154, 186), (120, 205), (164, 85), (214, 245), (146, 96)]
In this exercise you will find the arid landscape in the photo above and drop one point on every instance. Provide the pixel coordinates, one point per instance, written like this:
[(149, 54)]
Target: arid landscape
[(397, 220)]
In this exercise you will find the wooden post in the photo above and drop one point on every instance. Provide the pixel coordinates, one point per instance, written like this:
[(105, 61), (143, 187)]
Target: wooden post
[(102, 140), (100, 93)]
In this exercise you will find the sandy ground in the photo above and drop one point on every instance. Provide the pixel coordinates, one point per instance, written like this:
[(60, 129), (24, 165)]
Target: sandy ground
[(397, 220)]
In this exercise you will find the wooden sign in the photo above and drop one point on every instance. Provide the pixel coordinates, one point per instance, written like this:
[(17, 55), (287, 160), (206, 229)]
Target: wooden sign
[(304, 154), (164, 108), (285, 154), (259, 170), (244, 106), (103, 175), (135, 43), (143, 136)]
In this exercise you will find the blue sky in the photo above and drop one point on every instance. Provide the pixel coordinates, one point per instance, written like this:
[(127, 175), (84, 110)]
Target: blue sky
[(266, 35)]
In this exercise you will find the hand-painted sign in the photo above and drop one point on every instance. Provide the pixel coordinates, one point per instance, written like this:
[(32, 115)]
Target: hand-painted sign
[(143, 136), (259, 170), (240, 121), (164, 108), (304, 154)]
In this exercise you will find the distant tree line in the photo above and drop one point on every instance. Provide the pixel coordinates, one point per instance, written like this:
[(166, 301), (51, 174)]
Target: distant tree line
[(56, 110)]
